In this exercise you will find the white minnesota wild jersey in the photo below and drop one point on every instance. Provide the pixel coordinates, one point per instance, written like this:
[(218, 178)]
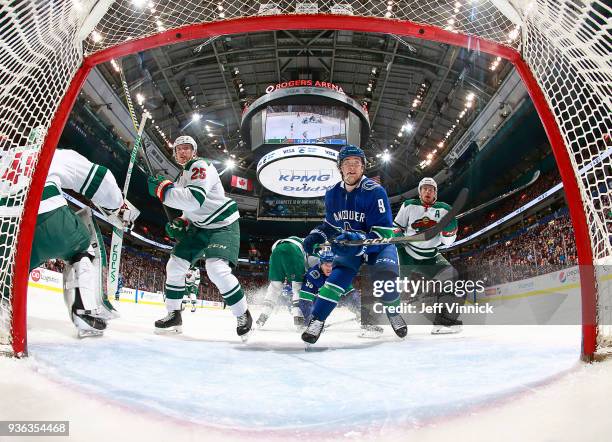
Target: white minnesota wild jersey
[(198, 192), (71, 170), (192, 279), (413, 217)]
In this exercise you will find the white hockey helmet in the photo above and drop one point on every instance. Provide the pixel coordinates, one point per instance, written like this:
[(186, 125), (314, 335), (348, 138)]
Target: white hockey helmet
[(428, 181), (185, 139)]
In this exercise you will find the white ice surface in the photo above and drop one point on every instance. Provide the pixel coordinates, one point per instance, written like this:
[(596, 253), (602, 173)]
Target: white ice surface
[(508, 382)]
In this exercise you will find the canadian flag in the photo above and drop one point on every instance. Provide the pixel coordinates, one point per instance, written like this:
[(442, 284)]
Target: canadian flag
[(242, 183)]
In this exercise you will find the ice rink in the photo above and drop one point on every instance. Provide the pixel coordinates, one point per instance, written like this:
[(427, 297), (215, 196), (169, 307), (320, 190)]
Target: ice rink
[(513, 382)]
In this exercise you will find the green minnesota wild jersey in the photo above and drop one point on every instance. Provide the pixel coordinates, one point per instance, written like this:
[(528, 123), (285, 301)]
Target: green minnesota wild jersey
[(198, 192), (413, 217)]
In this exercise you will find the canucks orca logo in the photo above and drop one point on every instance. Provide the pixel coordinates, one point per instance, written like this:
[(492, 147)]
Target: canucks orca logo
[(423, 224)]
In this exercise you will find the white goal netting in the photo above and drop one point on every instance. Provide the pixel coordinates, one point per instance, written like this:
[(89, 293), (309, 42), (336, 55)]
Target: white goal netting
[(565, 43)]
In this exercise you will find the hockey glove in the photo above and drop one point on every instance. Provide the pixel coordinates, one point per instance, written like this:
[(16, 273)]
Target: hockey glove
[(345, 250), (177, 228), (313, 240), (124, 215), (158, 186)]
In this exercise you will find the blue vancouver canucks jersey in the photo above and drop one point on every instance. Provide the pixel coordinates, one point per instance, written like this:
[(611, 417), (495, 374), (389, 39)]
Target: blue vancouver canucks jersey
[(366, 209), (313, 281)]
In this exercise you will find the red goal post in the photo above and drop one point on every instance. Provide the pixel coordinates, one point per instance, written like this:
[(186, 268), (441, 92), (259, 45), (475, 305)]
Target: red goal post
[(558, 47)]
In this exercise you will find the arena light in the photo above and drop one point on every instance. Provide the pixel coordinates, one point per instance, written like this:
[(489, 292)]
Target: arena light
[(140, 99), (408, 126), (96, 37), (229, 163), (196, 117), (115, 65), (441, 144), (139, 3)]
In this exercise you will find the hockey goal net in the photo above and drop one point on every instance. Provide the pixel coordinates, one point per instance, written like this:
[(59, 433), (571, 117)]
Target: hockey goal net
[(561, 48)]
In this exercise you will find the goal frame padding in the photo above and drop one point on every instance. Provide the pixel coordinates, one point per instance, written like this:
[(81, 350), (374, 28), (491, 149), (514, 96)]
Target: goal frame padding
[(310, 22)]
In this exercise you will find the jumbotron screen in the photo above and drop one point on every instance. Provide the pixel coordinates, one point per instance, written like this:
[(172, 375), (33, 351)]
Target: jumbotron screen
[(305, 124)]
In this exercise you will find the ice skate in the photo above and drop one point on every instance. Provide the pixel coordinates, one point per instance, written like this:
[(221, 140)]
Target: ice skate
[(172, 323), (244, 323), (371, 332), (193, 307), (88, 326), (446, 329), (261, 320), (399, 325), (313, 331)]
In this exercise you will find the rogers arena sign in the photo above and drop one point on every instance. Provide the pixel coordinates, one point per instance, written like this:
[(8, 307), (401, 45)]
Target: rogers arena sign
[(307, 83), (301, 171)]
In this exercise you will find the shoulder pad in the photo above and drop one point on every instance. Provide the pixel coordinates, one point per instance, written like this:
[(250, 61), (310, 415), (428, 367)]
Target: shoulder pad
[(369, 184), (441, 205), (412, 202), (193, 161)]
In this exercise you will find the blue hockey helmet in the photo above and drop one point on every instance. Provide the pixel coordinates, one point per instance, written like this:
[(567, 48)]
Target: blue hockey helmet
[(326, 256), (351, 151)]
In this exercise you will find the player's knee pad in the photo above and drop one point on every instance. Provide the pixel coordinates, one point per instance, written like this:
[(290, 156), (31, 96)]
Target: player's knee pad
[(220, 273)]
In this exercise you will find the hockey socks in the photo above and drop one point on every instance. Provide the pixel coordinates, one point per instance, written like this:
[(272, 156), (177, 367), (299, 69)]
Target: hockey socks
[(329, 295)]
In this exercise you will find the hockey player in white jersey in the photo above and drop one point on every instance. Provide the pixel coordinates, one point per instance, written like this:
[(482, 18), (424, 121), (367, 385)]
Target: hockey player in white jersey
[(208, 227), (192, 287), (74, 237), (424, 258)]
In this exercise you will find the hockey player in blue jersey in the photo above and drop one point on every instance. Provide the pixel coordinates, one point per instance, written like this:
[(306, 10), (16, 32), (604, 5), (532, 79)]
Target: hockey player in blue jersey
[(119, 287), (315, 278), (356, 208)]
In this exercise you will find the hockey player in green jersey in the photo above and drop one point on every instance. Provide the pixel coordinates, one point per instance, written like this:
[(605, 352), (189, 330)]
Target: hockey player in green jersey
[(288, 262), (424, 257), (74, 237), (192, 287), (208, 227)]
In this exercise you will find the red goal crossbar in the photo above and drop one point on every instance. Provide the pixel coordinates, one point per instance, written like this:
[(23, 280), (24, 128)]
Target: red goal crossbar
[(307, 22)]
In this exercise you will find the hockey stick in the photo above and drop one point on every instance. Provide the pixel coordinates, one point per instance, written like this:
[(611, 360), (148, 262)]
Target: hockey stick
[(533, 179), (425, 235), (130, 105), (114, 259)]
